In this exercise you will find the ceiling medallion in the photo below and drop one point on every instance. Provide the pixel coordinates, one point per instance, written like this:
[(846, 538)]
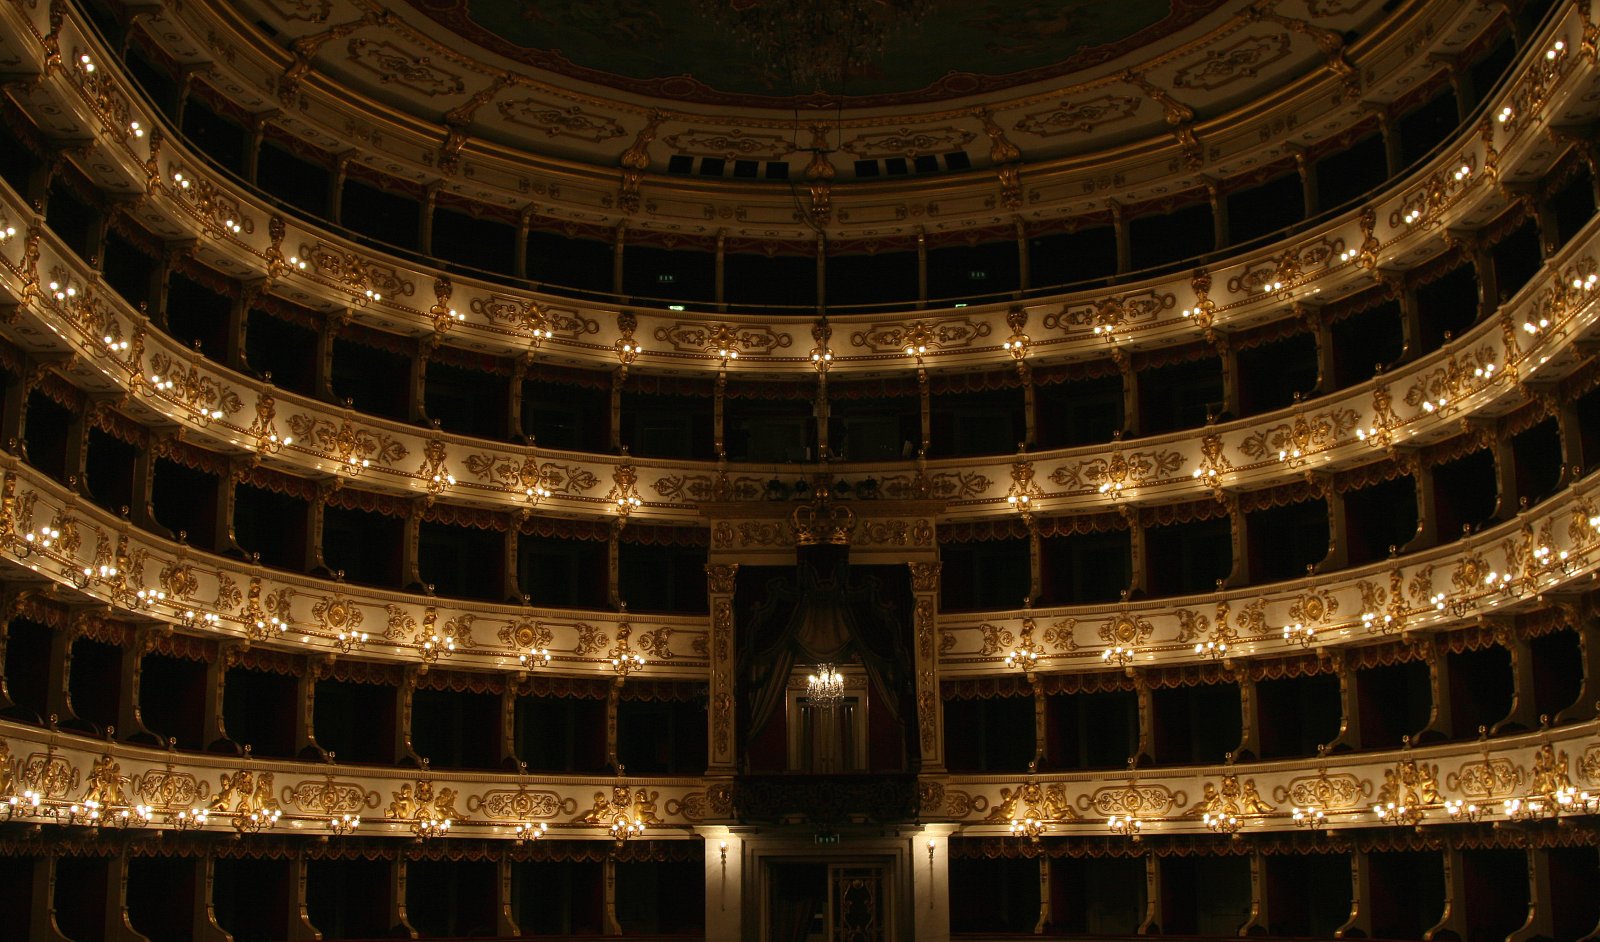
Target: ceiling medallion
[(811, 45)]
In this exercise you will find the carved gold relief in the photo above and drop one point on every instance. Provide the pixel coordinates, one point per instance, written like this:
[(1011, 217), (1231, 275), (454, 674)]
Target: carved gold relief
[(1327, 792), (1134, 799), (553, 120), (1230, 797), (394, 65), (733, 144), (907, 143), (1242, 60), (1079, 117)]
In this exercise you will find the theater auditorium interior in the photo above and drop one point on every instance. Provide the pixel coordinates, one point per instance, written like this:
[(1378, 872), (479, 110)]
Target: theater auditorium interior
[(799, 470)]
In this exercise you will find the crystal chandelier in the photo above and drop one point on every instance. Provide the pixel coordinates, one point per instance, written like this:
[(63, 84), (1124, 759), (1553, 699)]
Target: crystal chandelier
[(825, 688), (811, 45)]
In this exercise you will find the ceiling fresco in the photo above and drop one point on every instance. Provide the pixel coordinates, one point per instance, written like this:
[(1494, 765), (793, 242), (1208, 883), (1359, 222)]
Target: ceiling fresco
[(673, 49)]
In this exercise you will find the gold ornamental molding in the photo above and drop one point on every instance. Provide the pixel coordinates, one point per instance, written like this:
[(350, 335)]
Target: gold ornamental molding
[(47, 531), (1514, 567), (50, 779), (65, 315), (1304, 77), (90, 554), (1544, 770), (314, 269)]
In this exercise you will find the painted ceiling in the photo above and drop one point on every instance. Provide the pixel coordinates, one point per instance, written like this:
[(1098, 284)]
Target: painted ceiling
[(672, 49)]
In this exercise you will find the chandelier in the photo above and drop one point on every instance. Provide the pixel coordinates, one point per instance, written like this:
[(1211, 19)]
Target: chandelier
[(825, 688), (811, 45)]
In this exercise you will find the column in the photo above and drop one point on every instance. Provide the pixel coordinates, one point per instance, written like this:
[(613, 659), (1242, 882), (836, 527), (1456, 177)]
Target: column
[(405, 696), (922, 268), (141, 509), (417, 384), (306, 747), (410, 551), (1394, 158), (1582, 617), (1119, 225), (1540, 923), (76, 466), (1524, 712), (42, 914), (1310, 195), (1410, 313), (1441, 724), (1427, 501), (1152, 896), (300, 927), (1024, 264), (118, 928), (721, 579), (316, 512), (1138, 557), (1230, 373), (239, 324), (130, 721), (618, 242), (1359, 925), (258, 137), (227, 543), (1505, 473), (1570, 426), (1130, 393), (1338, 531), (1249, 721), (58, 686), (510, 550), (930, 706), (398, 920), (1461, 84), (430, 202), (505, 914), (1220, 238), (1260, 919), (1239, 541), (205, 909), (519, 375), (1454, 920), (341, 172), (1349, 738), (519, 265), (1030, 406), (609, 868), (822, 274), (720, 275), (9, 596), (322, 366), (1146, 750), (508, 726), (214, 732)]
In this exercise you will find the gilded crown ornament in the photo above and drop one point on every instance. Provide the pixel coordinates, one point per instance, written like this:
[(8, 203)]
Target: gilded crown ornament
[(822, 521)]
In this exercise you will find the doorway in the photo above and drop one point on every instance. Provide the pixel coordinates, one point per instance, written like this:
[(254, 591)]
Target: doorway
[(819, 901)]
